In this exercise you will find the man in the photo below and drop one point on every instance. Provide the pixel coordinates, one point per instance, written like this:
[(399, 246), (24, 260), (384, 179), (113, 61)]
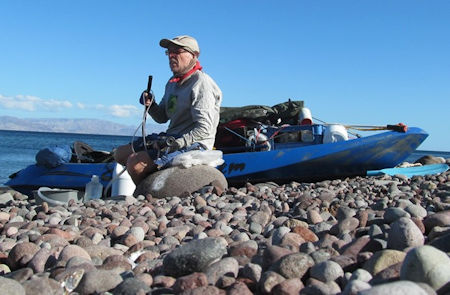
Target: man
[(192, 104)]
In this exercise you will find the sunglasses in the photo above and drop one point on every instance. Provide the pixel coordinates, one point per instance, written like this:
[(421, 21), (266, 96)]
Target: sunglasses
[(175, 51)]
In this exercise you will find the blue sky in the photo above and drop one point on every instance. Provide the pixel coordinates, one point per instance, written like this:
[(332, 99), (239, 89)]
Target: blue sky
[(354, 62)]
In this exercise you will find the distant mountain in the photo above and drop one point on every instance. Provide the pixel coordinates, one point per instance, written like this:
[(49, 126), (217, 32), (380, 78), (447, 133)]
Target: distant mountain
[(85, 126)]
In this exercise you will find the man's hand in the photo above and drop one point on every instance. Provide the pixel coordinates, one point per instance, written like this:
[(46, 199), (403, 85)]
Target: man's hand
[(171, 145), (146, 98), (164, 145)]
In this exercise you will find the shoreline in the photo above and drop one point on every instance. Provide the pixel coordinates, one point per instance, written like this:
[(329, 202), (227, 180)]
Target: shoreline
[(328, 237)]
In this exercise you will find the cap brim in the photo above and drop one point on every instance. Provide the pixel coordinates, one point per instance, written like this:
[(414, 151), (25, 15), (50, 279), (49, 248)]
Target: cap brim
[(167, 42)]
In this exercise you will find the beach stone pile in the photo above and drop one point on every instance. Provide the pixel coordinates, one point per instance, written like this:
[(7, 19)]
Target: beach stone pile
[(363, 235)]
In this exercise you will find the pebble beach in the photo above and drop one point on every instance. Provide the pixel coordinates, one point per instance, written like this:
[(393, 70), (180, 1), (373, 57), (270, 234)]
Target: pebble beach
[(362, 235)]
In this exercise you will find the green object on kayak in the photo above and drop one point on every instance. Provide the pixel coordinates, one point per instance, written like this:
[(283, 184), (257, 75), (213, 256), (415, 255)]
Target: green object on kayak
[(411, 171)]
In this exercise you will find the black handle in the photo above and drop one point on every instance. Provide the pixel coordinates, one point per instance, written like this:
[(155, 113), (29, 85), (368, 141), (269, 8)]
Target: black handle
[(149, 84), (399, 127)]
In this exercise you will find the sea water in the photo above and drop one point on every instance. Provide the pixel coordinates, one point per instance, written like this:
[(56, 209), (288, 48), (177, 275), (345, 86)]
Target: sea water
[(18, 148)]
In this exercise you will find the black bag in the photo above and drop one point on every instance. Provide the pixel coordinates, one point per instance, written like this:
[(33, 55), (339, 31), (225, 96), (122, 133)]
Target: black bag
[(236, 122), (288, 112), (84, 153), (54, 156), (283, 113), (253, 112)]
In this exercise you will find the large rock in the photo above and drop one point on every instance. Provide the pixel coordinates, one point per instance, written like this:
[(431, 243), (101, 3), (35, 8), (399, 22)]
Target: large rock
[(39, 260), (131, 286), (438, 219), (442, 243), (188, 282), (326, 271), (344, 226), (428, 265), (42, 286), (5, 198), (398, 288), (289, 286), (404, 233), (428, 159), (228, 266), (272, 254), (21, 254), (354, 286), (175, 181), (194, 256), (98, 281), (101, 251), (382, 260), (70, 251), (393, 213), (11, 287), (269, 280), (314, 287), (293, 265), (389, 274)]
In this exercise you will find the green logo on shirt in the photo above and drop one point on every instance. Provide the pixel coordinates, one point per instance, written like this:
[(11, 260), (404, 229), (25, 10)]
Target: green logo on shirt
[(172, 104)]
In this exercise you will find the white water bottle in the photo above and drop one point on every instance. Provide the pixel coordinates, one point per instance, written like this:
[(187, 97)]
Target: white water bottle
[(122, 184), (93, 189)]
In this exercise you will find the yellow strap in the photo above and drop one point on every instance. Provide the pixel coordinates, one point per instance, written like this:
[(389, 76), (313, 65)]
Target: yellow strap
[(366, 128)]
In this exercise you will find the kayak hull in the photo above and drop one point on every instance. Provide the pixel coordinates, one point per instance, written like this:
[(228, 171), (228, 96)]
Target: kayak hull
[(298, 163), (68, 176), (324, 161)]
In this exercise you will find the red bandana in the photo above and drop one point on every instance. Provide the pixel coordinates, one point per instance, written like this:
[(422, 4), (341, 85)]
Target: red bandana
[(194, 69)]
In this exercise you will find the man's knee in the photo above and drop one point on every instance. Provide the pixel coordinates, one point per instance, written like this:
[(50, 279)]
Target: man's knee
[(140, 165), (122, 153)]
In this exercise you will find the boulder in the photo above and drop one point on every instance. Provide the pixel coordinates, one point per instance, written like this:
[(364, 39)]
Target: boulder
[(382, 260), (131, 286), (98, 281), (11, 287), (428, 265), (428, 159), (228, 266), (441, 218), (293, 265), (42, 286), (21, 254), (404, 233), (326, 271), (398, 288), (194, 256), (175, 181)]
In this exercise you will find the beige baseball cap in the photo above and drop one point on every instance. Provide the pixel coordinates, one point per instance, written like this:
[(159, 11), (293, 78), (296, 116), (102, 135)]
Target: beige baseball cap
[(185, 41)]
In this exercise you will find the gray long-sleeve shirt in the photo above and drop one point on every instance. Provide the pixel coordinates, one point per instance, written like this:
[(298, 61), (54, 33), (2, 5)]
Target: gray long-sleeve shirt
[(193, 108)]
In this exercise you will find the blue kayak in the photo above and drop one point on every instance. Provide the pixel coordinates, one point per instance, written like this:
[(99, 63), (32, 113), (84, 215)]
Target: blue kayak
[(324, 161), (283, 161)]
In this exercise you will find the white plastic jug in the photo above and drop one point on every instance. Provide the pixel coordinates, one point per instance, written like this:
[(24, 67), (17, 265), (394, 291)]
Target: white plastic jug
[(335, 133), (93, 189), (122, 184), (304, 117)]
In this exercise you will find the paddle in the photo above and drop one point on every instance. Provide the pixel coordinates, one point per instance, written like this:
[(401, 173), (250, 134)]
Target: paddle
[(411, 171), (146, 108)]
